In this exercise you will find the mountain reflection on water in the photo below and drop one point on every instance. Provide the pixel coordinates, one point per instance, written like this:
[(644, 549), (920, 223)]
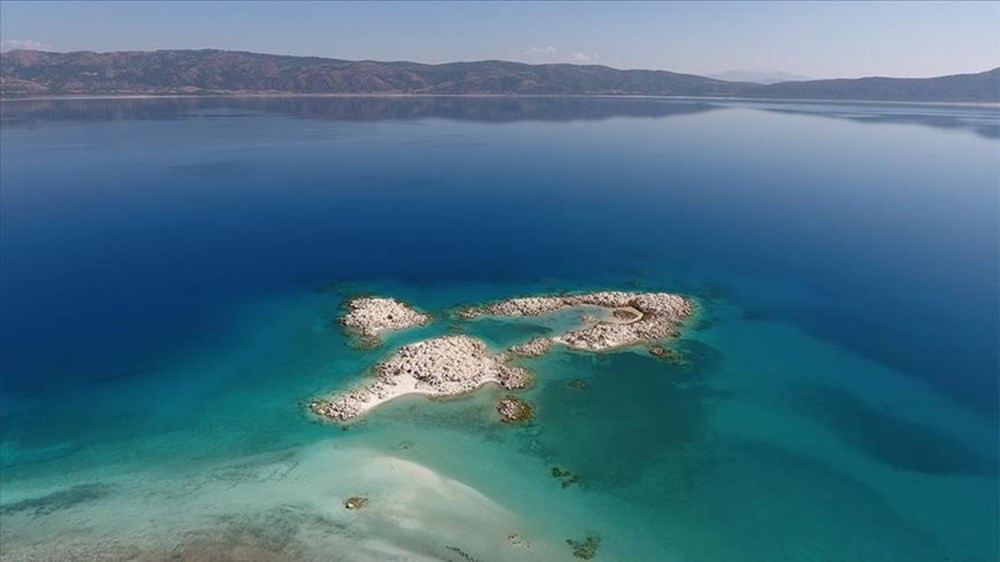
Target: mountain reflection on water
[(984, 121), (482, 109), (496, 109)]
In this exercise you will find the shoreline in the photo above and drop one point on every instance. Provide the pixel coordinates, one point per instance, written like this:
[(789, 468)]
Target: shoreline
[(405, 392), (403, 95)]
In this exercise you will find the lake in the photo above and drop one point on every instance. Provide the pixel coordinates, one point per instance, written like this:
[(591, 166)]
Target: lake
[(172, 271)]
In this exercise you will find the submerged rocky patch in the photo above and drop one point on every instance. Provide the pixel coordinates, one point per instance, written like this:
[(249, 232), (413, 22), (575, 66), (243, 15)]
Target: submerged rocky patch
[(585, 549), (536, 347), (568, 478)]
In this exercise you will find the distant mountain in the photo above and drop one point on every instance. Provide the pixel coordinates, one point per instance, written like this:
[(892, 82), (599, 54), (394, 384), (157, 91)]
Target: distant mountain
[(39, 73), (982, 87), (210, 71), (757, 77)]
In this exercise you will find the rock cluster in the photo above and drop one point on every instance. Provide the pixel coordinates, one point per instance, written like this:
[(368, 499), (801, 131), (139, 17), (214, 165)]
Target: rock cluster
[(356, 502), (635, 317), (439, 367), (371, 316), (536, 347), (515, 539), (513, 410), (452, 365)]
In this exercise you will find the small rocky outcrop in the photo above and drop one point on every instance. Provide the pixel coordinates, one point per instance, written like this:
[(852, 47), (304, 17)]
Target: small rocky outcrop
[(356, 502), (369, 317), (662, 352), (514, 410), (536, 347), (518, 541)]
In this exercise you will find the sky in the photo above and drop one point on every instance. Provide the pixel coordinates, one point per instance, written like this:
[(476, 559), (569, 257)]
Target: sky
[(814, 39)]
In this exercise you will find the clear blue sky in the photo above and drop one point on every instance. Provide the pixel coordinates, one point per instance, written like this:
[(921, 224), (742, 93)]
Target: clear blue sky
[(823, 39)]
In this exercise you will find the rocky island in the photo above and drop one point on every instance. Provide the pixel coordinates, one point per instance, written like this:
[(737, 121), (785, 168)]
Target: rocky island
[(438, 368), (535, 347), (370, 317), (630, 318), (514, 410)]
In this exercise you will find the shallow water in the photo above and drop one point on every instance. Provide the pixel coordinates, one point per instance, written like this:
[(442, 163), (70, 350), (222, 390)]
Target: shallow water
[(172, 271)]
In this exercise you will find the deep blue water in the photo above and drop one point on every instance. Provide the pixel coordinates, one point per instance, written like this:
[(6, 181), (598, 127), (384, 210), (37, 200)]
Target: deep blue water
[(129, 233), (135, 231)]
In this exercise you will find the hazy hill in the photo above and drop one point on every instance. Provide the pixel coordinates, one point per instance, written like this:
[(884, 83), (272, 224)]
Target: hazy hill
[(984, 86), (27, 73), (757, 77), (208, 71)]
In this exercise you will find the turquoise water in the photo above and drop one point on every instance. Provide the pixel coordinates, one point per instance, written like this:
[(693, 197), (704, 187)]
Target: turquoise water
[(172, 271)]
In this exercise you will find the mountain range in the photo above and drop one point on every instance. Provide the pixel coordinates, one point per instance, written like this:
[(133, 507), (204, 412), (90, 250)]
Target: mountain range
[(28, 73)]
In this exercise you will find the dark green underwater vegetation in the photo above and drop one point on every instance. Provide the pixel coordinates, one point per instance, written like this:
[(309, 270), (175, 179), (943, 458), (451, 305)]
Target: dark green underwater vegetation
[(56, 501), (898, 442)]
